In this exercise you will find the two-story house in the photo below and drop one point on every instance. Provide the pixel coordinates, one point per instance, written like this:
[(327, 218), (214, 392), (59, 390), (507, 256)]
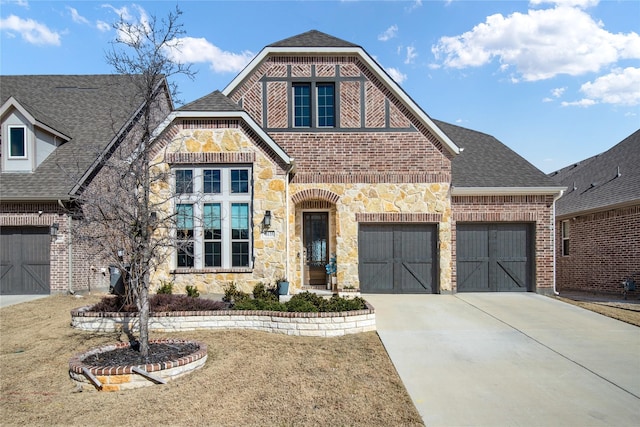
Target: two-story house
[(314, 151)]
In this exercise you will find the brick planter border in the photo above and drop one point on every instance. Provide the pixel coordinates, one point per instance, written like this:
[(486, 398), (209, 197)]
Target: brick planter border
[(301, 324), (115, 378)]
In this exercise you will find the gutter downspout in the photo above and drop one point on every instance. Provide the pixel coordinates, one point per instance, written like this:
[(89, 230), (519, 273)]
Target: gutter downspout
[(70, 252), (553, 239)]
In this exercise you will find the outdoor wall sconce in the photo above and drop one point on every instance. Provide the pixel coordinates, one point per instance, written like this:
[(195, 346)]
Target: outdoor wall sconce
[(266, 221), (53, 230)]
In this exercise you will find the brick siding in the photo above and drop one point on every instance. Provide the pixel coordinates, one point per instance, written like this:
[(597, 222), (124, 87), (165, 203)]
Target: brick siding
[(604, 248)]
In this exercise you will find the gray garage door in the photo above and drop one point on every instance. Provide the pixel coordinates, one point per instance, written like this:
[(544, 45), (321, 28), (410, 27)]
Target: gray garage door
[(399, 258), (24, 260), (494, 257)]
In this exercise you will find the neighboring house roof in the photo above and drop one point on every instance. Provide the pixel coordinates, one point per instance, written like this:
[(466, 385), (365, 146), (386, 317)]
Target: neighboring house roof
[(215, 101), (608, 180), (316, 42), (89, 109), (487, 166)]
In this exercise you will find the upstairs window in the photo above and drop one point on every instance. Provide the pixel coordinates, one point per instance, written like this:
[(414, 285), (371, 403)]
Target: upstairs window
[(17, 142), (565, 237), (326, 105), (302, 105)]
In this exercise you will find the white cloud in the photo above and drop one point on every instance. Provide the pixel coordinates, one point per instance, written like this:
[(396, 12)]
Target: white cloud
[(31, 31), (193, 50), (539, 44), (620, 87), (411, 55), (76, 17), (583, 4), (122, 12), (389, 33), (103, 26), (396, 75), (582, 103), (23, 3), (416, 4), (557, 92)]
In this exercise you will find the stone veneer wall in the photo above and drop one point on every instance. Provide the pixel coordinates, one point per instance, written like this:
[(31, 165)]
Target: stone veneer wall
[(604, 248), (300, 324), (537, 210), (372, 203), (207, 142)]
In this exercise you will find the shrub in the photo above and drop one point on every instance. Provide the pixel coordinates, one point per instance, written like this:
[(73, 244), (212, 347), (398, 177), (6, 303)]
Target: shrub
[(306, 299), (260, 291), (192, 291), (300, 305), (158, 303), (233, 294), (337, 303), (259, 304), (165, 288)]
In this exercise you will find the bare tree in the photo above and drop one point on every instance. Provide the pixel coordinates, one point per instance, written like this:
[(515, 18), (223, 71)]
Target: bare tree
[(122, 207)]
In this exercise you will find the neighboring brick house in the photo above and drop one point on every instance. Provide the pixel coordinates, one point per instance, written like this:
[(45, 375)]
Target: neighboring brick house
[(54, 127), (598, 221), (313, 150)]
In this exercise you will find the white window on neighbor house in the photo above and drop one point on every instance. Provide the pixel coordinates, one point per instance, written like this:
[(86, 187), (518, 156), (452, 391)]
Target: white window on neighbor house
[(213, 220), (17, 142), (565, 237)]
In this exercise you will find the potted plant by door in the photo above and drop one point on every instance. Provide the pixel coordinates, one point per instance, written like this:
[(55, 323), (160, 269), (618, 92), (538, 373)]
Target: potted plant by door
[(332, 271), (283, 286)]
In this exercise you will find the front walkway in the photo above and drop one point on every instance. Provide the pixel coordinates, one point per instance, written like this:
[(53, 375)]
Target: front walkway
[(511, 359)]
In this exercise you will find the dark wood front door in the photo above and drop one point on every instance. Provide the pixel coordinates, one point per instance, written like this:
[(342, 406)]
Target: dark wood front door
[(316, 248)]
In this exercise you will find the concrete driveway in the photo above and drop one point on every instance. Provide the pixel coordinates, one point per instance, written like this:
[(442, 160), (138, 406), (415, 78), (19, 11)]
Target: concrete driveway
[(7, 300), (511, 359)]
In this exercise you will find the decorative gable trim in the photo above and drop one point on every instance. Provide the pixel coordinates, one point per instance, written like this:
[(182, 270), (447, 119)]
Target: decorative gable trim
[(397, 217), (210, 158), (371, 65)]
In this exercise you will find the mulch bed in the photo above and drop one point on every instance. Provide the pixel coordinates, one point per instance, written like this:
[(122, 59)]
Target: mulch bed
[(130, 356)]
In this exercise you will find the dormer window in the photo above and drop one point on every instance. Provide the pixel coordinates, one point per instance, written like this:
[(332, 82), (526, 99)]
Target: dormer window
[(17, 142)]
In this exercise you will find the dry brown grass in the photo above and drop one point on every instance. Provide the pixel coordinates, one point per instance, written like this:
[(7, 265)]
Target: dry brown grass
[(625, 312), (250, 378)]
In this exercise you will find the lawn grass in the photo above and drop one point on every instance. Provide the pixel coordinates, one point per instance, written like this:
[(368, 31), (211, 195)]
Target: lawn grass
[(251, 378)]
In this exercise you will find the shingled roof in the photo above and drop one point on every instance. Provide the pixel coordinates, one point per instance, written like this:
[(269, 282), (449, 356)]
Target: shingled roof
[(600, 182), (486, 162), (313, 38), (89, 109), (215, 101)]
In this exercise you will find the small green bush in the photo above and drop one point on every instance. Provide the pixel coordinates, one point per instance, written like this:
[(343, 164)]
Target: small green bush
[(192, 291), (301, 305), (233, 294), (165, 288), (260, 291), (259, 304), (337, 303)]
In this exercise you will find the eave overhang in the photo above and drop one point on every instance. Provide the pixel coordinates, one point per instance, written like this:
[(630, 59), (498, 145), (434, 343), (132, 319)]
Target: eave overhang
[(506, 191), (347, 51)]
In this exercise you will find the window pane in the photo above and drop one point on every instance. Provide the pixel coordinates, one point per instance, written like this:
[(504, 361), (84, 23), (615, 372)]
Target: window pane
[(240, 254), (184, 181), (239, 221), (184, 220), (17, 146), (185, 254), (326, 104), (211, 221), (239, 181), (302, 105), (211, 181), (212, 254)]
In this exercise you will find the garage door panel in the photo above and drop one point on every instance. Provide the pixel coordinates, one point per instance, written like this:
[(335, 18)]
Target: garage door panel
[(407, 252), (494, 257), (25, 265)]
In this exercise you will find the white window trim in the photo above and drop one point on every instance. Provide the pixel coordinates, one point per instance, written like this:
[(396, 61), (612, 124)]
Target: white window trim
[(566, 236), (25, 142), (225, 198)]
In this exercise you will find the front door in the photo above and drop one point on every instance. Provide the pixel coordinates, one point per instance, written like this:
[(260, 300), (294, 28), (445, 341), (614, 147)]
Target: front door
[(316, 248)]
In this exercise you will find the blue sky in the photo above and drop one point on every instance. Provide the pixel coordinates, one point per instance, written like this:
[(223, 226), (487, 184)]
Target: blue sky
[(556, 80)]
